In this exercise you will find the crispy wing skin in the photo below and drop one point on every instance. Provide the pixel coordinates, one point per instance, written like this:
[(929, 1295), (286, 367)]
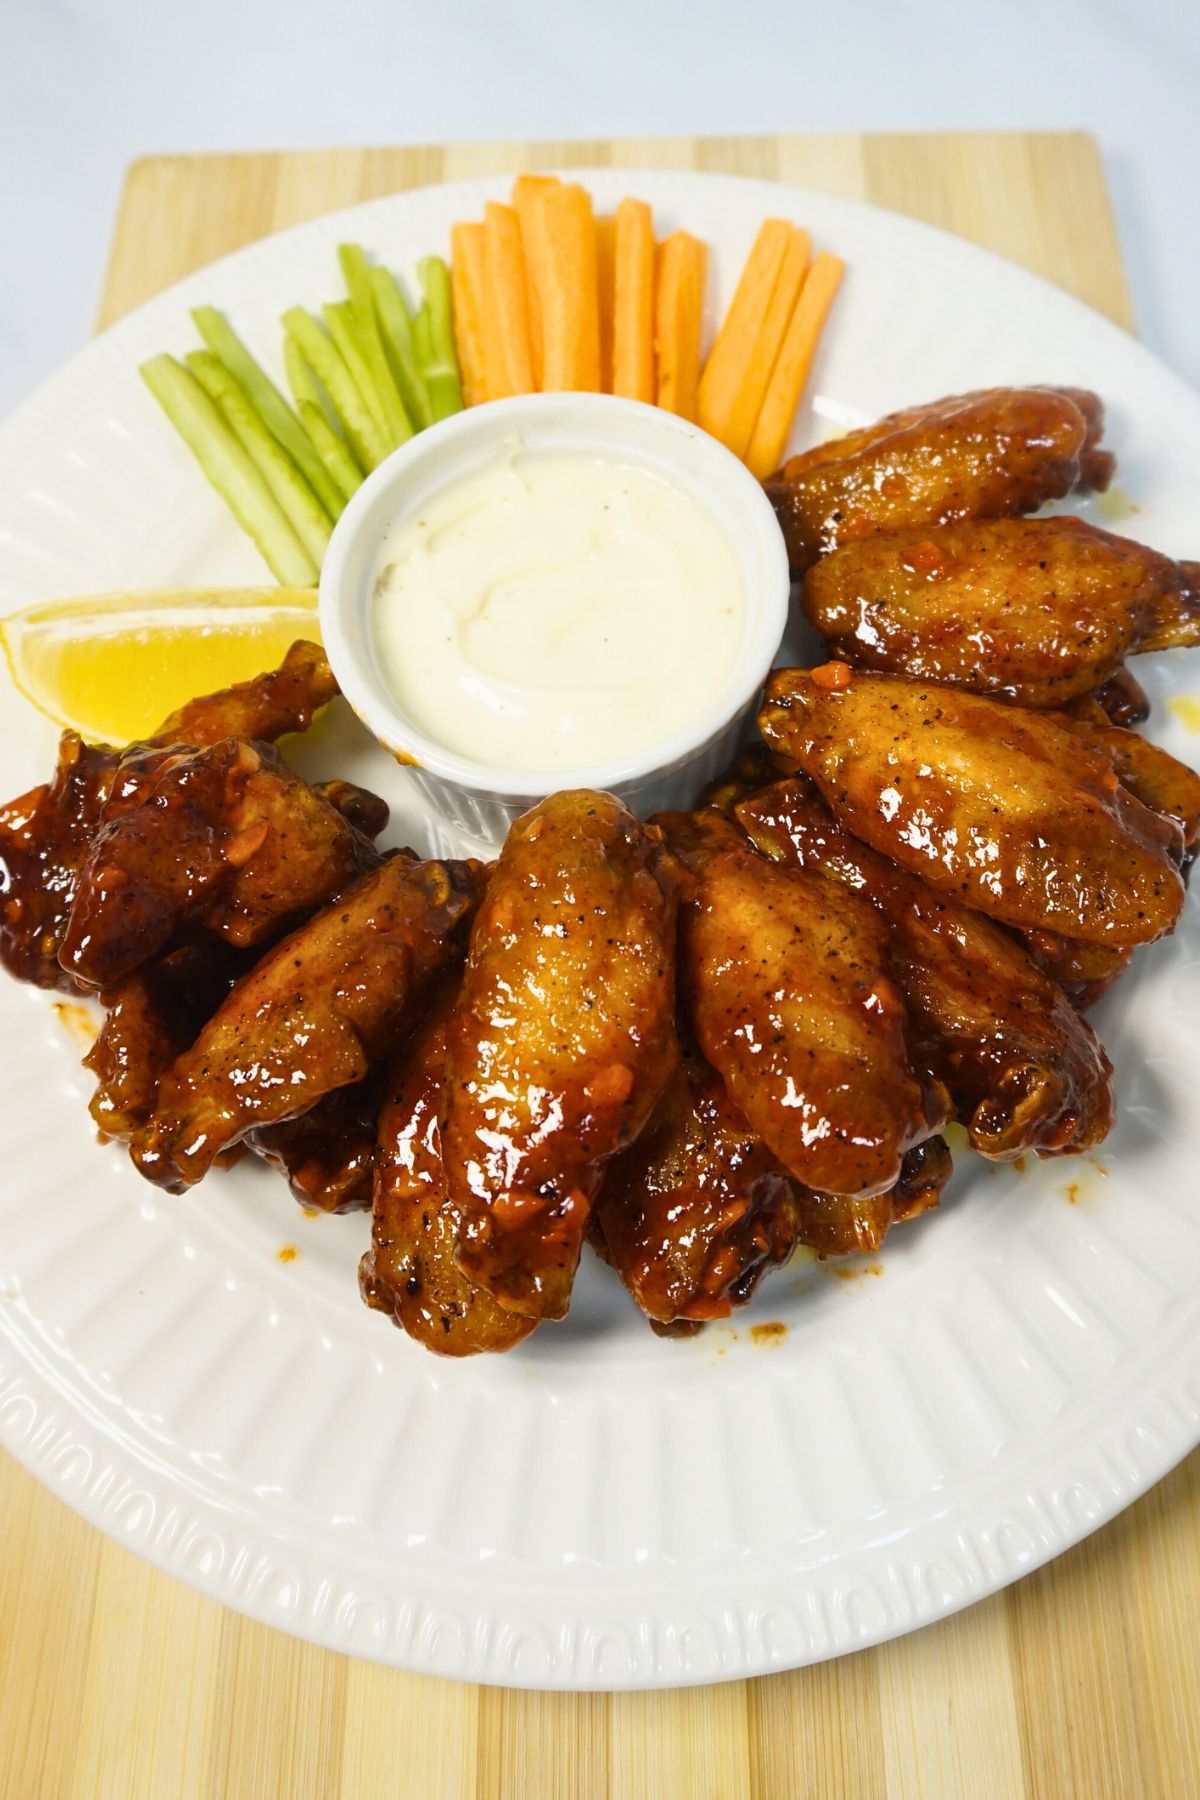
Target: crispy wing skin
[(1024, 1069), (44, 836), (267, 707), (784, 977), (562, 1040), (409, 1271), (327, 1156), (988, 455), (311, 1016), (227, 838), (151, 1018), (1004, 809), (1038, 611)]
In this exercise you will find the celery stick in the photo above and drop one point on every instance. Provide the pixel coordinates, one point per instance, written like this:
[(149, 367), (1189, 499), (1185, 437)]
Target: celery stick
[(362, 308), (267, 402), (336, 455), (441, 371), (230, 470), (333, 449), (340, 323), (395, 328), (300, 377), (304, 512), (323, 357)]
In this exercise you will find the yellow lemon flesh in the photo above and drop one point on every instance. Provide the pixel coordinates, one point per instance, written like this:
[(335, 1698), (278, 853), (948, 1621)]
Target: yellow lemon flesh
[(114, 666)]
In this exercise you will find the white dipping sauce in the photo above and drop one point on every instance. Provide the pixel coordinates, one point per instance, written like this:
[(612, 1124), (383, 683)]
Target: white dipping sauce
[(556, 609)]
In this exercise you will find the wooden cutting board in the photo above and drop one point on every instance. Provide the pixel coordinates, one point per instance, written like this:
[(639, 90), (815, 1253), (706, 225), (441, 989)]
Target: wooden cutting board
[(1082, 1680)]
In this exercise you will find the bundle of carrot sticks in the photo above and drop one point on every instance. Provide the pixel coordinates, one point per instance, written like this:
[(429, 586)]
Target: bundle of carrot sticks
[(550, 297)]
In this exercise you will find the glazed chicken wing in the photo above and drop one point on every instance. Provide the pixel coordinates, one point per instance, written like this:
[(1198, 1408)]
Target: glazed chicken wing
[(409, 1271), (1006, 810), (44, 836), (785, 980), (311, 1016), (698, 1209), (227, 838), (327, 1155), (562, 1040), (987, 455), (267, 707), (696, 1212), (1155, 777), (1039, 611), (1024, 1070), (151, 1017)]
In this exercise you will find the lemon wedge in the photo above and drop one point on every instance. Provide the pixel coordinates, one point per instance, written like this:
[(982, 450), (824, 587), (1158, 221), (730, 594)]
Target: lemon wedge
[(113, 666)]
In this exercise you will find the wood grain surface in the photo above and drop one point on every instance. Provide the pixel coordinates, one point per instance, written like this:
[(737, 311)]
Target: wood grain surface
[(1081, 1681)]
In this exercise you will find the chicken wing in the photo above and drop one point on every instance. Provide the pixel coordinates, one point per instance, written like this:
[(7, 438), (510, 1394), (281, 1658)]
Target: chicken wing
[(1023, 1068), (227, 838), (1121, 700), (267, 707), (151, 1018), (43, 838), (1084, 972), (1005, 809), (1155, 777), (785, 981), (986, 455), (1039, 611), (311, 1016), (327, 1155), (697, 1211), (366, 811), (45, 834), (409, 1271), (561, 1043)]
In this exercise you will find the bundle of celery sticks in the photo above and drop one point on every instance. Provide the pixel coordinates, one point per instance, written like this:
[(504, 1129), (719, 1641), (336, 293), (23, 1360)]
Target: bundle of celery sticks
[(363, 381)]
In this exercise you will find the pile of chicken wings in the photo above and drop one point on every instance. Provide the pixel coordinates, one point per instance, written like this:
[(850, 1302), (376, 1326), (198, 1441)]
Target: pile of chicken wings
[(694, 1043)]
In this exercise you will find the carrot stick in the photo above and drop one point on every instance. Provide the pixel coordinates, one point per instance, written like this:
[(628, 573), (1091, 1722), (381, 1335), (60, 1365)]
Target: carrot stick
[(633, 303), (525, 190), (679, 310), (733, 352), (563, 267), (507, 358), (767, 345), (768, 440), (467, 290), (606, 287)]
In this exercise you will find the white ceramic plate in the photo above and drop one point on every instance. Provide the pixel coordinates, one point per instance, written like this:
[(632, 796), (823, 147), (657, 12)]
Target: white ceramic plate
[(598, 1508)]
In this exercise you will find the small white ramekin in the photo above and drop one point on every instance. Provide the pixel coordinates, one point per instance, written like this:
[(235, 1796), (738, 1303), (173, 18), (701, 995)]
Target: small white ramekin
[(475, 802)]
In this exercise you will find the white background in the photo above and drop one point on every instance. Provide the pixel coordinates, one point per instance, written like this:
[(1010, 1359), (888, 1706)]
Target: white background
[(87, 85)]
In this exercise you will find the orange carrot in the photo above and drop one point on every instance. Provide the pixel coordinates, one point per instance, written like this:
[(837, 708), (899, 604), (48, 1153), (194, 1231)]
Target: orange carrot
[(563, 268), (633, 303), (508, 360), (606, 286), (467, 288), (525, 190), (729, 364), (679, 310), (764, 453), (771, 333)]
